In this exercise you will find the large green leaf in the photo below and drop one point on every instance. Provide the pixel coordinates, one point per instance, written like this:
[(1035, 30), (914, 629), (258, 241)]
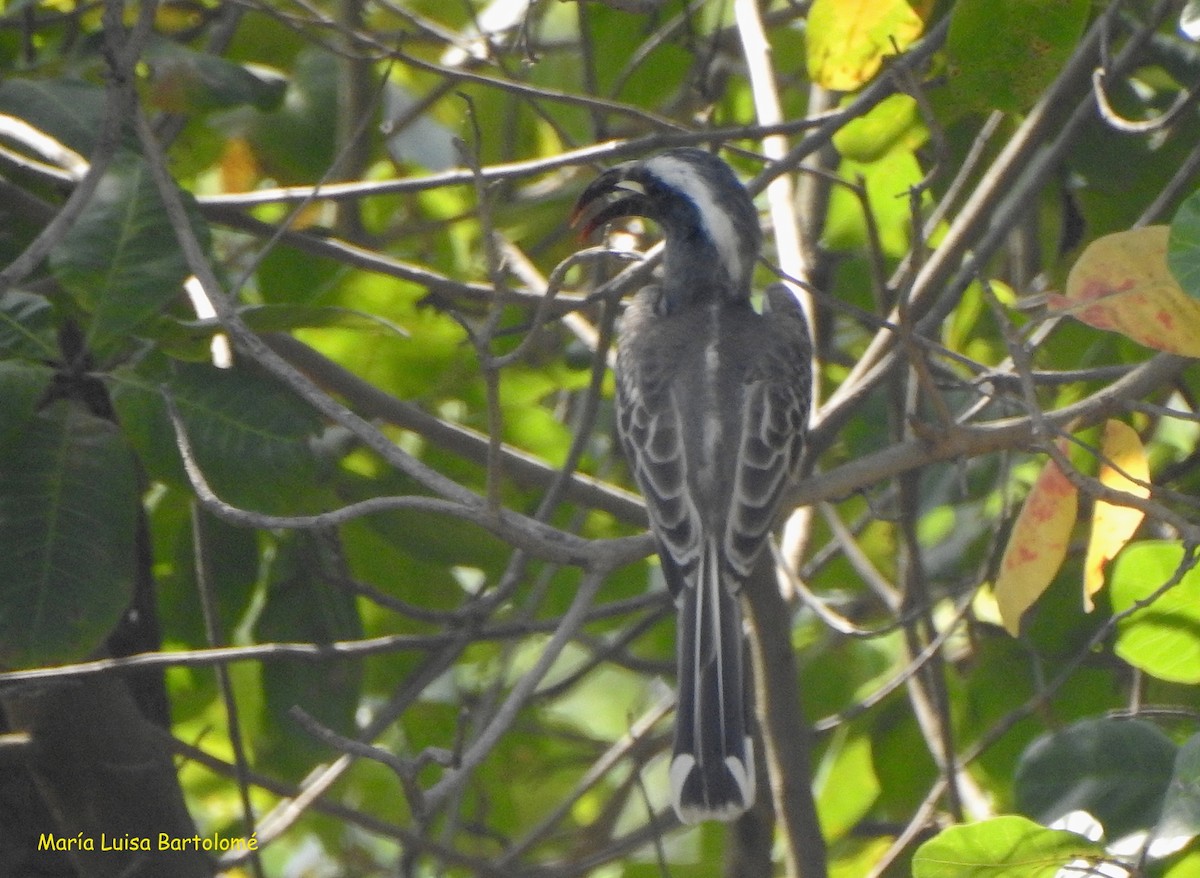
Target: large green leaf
[(1000, 54), (848, 787), (68, 512), (250, 436), (846, 229), (232, 574), (420, 537), (120, 260), (1180, 821), (68, 110), (1004, 847), (1115, 770), (1162, 639)]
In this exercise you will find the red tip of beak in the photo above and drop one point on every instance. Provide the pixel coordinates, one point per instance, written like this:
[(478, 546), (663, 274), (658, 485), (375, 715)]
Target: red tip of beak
[(584, 230)]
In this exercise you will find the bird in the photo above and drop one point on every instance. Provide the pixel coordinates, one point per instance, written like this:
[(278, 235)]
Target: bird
[(712, 401)]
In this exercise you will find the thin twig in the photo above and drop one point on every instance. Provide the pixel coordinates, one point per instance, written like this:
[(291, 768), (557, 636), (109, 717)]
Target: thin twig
[(213, 634), (478, 749)]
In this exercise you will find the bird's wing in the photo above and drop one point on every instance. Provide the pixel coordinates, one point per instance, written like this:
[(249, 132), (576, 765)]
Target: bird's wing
[(775, 412), (652, 432)]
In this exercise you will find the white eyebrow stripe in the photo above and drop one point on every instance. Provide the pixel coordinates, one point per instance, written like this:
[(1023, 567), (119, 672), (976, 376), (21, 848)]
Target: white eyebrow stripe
[(682, 176)]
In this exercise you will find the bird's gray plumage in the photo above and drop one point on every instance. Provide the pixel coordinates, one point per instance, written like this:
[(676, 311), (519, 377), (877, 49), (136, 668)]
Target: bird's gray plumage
[(712, 403)]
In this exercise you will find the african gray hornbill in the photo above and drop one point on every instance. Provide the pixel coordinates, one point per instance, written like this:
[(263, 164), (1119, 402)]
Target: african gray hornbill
[(712, 405)]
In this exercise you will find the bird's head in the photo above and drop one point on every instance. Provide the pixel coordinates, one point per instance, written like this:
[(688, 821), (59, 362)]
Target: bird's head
[(706, 215)]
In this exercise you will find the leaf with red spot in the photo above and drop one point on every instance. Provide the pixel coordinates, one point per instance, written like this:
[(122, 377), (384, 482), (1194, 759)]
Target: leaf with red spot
[(1037, 545), (1122, 283)]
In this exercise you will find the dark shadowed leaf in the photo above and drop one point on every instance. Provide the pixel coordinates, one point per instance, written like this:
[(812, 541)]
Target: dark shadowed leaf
[(66, 109), (68, 507), (26, 326), (184, 81), (21, 387), (251, 436), (1180, 821), (306, 602), (1115, 770)]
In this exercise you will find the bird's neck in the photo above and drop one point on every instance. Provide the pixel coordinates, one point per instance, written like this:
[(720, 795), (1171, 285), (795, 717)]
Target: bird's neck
[(694, 275)]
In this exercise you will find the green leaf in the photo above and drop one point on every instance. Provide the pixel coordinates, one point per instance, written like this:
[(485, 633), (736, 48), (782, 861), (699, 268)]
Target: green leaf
[(186, 81), (26, 326), (1116, 770), (1187, 866), (295, 142), (886, 180), (1004, 847), (420, 538), (846, 784), (284, 318), (1180, 821), (1183, 246), (893, 121), (306, 603), (68, 511), (288, 275), (68, 110), (120, 260), (1162, 639), (1000, 54), (249, 435), (233, 569), (22, 385)]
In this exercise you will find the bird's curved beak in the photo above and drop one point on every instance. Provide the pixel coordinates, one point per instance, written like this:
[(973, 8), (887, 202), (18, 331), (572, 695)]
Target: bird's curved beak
[(592, 210)]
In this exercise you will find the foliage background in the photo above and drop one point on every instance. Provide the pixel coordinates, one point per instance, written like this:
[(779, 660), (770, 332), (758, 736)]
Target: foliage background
[(376, 595)]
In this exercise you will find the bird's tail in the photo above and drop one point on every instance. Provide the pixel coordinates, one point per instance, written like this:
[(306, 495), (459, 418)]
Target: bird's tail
[(712, 770)]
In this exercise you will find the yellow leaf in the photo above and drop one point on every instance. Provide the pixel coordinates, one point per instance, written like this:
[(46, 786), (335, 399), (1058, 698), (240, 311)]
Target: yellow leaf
[(239, 166), (848, 39), (1121, 283), (1037, 545), (1112, 525)]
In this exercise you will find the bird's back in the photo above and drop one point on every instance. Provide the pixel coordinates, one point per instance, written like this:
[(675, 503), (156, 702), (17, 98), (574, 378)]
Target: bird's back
[(695, 366)]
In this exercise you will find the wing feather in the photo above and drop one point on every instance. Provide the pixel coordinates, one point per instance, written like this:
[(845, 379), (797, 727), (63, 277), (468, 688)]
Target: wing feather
[(776, 400), (651, 429)]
